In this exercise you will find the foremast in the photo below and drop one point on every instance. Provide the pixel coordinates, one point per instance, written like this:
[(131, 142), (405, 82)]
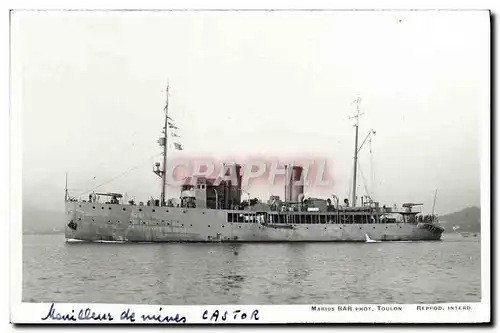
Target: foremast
[(165, 138), (163, 142), (160, 170)]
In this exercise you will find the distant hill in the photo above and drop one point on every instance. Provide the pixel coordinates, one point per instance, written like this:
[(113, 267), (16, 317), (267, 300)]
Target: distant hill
[(39, 221), (465, 220)]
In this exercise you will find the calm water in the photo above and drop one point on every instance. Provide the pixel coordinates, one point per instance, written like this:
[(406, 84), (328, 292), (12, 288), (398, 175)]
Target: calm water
[(419, 272)]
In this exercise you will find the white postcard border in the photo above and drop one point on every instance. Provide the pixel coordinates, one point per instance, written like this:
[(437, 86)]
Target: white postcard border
[(251, 314), (34, 312)]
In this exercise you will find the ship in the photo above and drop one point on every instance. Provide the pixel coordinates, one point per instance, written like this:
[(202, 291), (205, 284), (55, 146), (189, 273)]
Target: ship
[(211, 210)]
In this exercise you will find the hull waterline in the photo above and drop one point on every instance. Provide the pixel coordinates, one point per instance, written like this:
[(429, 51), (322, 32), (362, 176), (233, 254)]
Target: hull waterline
[(128, 223)]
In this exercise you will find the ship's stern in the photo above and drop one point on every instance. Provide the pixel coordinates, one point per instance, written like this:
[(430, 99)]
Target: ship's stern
[(433, 231), (70, 221)]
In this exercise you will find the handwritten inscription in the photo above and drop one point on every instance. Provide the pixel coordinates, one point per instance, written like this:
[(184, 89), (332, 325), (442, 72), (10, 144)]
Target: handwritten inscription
[(162, 318), (236, 315), (83, 314), (128, 315), (88, 314)]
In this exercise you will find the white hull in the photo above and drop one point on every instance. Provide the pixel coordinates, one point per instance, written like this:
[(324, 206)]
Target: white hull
[(126, 223)]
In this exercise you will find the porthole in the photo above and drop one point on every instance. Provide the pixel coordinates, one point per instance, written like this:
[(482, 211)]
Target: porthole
[(130, 222), (124, 209), (140, 209), (203, 212), (102, 207), (93, 220), (162, 221), (360, 228), (168, 223), (93, 207), (166, 211), (153, 210), (79, 219), (109, 208), (223, 226), (373, 227), (109, 221), (209, 225), (240, 227), (191, 225), (143, 222), (80, 206), (183, 224), (157, 223), (118, 221)]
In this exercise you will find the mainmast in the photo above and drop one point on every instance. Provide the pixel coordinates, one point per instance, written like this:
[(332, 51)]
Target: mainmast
[(164, 171), (355, 173)]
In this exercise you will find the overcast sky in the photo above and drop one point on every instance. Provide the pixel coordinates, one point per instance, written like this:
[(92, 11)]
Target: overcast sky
[(246, 83)]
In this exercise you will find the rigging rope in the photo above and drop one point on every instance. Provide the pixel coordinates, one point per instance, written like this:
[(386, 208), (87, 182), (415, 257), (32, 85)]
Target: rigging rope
[(121, 175), (364, 180), (372, 170), (125, 149), (349, 191)]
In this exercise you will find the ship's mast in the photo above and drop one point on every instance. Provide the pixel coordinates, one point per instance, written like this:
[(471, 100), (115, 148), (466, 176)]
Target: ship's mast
[(286, 183), (66, 189), (164, 171), (355, 172), (434, 203)]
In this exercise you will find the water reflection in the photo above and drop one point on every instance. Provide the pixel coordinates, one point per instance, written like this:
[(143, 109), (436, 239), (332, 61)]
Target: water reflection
[(162, 281), (250, 273), (297, 269), (230, 279)]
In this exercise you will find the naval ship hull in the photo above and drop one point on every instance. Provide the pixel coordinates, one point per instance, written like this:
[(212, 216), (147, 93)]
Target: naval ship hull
[(127, 223)]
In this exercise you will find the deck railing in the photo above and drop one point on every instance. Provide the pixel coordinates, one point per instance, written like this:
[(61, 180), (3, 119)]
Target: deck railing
[(400, 210)]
